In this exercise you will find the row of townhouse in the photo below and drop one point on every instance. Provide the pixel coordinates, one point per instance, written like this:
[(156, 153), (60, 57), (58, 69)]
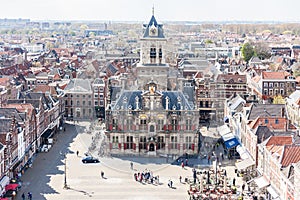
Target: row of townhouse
[(268, 143), (26, 123)]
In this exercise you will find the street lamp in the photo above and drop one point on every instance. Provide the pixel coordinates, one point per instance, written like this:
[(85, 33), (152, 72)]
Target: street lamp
[(65, 170)]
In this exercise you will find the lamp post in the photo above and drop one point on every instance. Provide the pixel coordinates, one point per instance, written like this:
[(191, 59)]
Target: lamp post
[(65, 170), (65, 179)]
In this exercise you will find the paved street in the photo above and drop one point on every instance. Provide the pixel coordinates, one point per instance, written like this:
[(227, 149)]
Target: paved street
[(46, 177)]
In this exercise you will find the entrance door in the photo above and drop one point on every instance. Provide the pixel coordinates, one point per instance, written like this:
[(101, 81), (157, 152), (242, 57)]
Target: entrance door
[(151, 147)]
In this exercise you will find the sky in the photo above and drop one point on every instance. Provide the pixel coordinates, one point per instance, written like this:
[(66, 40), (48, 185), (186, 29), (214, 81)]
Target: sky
[(141, 10)]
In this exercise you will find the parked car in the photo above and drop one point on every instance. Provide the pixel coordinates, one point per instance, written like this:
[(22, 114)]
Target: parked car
[(90, 159)]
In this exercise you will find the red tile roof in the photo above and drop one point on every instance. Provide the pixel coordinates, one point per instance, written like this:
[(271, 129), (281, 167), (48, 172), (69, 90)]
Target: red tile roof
[(291, 155), (274, 75), (280, 140)]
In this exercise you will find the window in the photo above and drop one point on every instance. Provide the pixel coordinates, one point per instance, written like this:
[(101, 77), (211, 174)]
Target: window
[(174, 124), (265, 84), (129, 142), (151, 129), (160, 124), (188, 142), (270, 92), (270, 85), (276, 121), (83, 103), (115, 142), (78, 103), (266, 121), (188, 124), (173, 142), (66, 102), (160, 142), (90, 103), (265, 92), (143, 121), (281, 85), (143, 142), (115, 123)]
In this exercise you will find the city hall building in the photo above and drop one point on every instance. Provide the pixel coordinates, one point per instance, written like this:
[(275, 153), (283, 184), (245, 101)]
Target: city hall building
[(155, 118)]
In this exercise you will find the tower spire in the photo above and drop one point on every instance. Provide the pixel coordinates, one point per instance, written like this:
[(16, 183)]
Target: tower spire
[(153, 10)]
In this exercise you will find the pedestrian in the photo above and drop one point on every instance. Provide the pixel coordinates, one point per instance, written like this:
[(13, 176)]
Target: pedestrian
[(77, 153), (186, 162), (243, 187), (23, 196), (29, 196), (131, 165), (102, 174), (208, 159), (180, 179), (182, 165), (233, 182)]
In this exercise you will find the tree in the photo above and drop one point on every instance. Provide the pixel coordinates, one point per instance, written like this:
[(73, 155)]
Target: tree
[(247, 51), (262, 51), (278, 100)]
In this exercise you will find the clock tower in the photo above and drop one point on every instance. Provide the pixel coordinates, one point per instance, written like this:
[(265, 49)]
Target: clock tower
[(152, 66)]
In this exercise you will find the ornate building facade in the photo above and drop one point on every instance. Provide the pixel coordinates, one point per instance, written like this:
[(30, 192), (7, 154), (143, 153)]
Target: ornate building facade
[(152, 120)]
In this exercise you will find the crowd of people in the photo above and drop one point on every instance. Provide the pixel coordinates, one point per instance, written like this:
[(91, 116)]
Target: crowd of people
[(146, 177)]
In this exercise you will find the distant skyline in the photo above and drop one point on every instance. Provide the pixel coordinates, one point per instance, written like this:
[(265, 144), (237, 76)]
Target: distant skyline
[(141, 10)]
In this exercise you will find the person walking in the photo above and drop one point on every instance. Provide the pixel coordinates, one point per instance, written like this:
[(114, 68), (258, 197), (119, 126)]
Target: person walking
[(180, 179), (182, 165), (131, 165), (77, 153), (23, 196), (243, 187), (233, 182), (102, 174), (29, 196)]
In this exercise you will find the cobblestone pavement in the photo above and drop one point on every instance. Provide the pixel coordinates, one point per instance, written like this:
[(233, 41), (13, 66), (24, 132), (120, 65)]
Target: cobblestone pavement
[(46, 177)]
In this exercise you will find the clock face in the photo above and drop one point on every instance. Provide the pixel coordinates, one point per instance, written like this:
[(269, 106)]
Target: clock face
[(153, 30)]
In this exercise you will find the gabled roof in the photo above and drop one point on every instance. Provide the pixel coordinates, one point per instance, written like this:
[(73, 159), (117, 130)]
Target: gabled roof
[(79, 85), (262, 133)]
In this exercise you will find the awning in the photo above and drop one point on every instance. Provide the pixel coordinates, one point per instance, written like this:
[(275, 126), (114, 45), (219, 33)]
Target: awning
[(272, 192), (223, 130), (12, 186), (48, 133), (231, 143), (228, 136), (243, 152), (261, 182), (245, 164)]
